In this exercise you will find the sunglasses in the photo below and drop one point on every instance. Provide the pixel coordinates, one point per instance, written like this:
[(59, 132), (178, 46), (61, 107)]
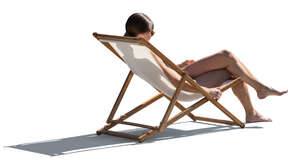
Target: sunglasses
[(152, 33)]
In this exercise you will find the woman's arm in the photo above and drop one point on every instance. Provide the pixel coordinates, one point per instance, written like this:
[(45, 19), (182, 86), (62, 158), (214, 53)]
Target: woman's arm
[(185, 63), (175, 79), (173, 76)]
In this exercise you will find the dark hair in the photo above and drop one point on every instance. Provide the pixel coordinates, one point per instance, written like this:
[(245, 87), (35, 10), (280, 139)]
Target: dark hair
[(138, 23)]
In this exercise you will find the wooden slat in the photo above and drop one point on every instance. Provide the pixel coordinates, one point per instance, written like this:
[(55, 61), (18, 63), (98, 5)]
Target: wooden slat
[(215, 120), (121, 134), (117, 38), (133, 124)]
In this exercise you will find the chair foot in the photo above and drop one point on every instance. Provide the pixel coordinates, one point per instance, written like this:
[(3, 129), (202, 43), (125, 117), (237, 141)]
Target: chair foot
[(98, 132), (242, 125)]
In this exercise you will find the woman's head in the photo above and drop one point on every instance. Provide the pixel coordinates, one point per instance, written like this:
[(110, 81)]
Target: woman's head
[(139, 25)]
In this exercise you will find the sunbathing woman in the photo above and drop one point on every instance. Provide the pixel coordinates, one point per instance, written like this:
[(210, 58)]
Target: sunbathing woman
[(210, 72)]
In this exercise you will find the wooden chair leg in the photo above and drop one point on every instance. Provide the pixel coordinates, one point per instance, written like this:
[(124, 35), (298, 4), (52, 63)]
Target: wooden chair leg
[(163, 123), (147, 135), (182, 108), (130, 113), (223, 109), (188, 110), (226, 112), (121, 94)]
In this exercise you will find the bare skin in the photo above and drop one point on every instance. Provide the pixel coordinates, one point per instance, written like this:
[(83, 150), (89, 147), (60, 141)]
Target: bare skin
[(224, 64), (215, 78), (211, 71), (225, 59)]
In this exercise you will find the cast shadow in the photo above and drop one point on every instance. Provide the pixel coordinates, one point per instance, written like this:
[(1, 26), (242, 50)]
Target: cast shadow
[(89, 142)]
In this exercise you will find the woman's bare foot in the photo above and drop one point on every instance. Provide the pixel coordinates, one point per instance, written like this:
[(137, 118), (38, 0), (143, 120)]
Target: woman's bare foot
[(267, 91), (257, 118)]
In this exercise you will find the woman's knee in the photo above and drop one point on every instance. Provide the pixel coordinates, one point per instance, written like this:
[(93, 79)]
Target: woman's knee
[(228, 55), (240, 85)]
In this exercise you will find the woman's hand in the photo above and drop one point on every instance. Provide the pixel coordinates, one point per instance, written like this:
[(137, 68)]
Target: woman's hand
[(185, 63), (214, 92)]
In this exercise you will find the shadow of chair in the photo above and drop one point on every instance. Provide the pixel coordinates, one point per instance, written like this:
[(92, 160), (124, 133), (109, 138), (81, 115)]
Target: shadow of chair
[(89, 142)]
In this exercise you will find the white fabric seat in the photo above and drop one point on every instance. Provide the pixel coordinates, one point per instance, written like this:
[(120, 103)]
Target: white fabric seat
[(141, 62)]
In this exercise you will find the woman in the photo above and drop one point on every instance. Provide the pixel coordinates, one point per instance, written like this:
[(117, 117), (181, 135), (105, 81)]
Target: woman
[(210, 72)]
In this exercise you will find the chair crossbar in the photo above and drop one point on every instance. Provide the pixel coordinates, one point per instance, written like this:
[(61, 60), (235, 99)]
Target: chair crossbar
[(182, 108), (121, 134), (188, 110), (134, 124), (215, 120), (130, 113)]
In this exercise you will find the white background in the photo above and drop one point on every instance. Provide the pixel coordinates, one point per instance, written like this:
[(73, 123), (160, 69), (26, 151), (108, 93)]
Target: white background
[(57, 81)]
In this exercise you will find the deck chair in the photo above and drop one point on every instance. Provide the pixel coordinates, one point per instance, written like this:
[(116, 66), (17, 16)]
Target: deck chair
[(137, 54)]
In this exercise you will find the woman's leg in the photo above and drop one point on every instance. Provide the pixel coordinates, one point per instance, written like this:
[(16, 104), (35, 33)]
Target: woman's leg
[(241, 92), (226, 60), (216, 77)]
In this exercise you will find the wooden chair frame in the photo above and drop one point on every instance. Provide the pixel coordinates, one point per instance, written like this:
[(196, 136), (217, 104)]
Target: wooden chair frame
[(173, 101)]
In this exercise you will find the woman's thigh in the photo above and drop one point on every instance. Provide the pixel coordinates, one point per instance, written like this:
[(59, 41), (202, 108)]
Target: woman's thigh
[(213, 78), (215, 61)]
